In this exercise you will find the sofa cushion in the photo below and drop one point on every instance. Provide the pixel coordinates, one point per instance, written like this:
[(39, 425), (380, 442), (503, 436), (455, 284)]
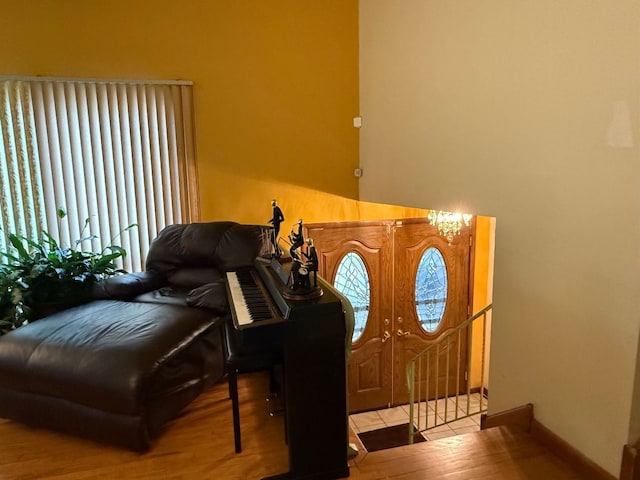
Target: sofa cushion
[(165, 296), (225, 246), (107, 354), (127, 286), (212, 296), (194, 277)]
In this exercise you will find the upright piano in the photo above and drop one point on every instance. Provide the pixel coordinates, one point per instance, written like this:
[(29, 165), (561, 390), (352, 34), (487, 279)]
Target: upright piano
[(312, 336)]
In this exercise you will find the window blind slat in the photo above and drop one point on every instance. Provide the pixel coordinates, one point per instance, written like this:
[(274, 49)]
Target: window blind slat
[(127, 239), (146, 158), (7, 218), (156, 162), (173, 115), (95, 130), (77, 216), (84, 134), (163, 152), (33, 179), (52, 145), (112, 215), (69, 226), (137, 164), (44, 157)]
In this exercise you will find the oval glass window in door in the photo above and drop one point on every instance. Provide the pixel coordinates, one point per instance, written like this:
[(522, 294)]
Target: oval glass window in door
[(431, 289), (352, 280)]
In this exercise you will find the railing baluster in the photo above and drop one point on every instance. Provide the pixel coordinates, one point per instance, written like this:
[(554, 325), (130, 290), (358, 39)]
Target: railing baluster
[(411, 378), (435, 417), (426, 393), (446, 381), (469, 357), (458, 377), (484, 337), (418, 388)]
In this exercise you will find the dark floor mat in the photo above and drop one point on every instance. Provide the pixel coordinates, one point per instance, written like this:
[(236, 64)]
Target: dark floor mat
[(388, 437)]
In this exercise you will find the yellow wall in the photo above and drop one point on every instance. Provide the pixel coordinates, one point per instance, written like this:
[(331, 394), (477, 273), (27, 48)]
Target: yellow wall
[(275, 86), (482, 296)]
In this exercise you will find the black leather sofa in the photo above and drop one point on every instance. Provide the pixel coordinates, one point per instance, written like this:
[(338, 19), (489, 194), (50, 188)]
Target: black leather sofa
[(118, 368)]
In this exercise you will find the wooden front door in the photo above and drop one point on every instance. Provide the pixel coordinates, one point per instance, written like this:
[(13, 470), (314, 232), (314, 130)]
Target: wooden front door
[(369, 367), (419, 252), (391, 253)]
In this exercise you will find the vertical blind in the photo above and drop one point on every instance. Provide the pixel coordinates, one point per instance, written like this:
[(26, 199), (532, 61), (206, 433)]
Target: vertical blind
[(114, 153)]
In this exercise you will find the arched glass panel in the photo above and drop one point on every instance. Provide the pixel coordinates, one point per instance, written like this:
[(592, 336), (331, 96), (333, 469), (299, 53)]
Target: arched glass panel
[(431, 289), (352, 280)]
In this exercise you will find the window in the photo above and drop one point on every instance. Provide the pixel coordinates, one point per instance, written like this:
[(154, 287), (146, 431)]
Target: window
[(431, 289), (352, 281), (116, 153)]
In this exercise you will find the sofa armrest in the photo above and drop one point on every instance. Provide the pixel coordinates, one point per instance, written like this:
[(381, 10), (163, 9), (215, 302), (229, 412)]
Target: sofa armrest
[(127, 286)]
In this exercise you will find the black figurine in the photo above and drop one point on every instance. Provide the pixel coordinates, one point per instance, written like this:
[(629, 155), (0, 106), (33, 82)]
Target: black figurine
[(276, 220), (299, 284), (296, 239), (299, 272), (312, 260)]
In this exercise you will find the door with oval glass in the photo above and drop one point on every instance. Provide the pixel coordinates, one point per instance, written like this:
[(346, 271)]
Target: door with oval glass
[(407, 286), (431, 298), (357, 258)]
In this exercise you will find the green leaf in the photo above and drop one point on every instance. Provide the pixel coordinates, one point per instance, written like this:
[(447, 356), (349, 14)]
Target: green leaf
[(17, 242), (10, 257), (48, 239)]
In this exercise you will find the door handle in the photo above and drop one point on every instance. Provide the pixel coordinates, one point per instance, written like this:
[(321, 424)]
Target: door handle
[(386, 336), (400, 333)]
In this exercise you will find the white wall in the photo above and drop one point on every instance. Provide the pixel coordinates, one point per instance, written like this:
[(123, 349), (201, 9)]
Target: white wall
[(526, 111)]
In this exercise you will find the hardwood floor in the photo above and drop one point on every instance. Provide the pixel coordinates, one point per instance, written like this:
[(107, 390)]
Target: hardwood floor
[(199, 445)]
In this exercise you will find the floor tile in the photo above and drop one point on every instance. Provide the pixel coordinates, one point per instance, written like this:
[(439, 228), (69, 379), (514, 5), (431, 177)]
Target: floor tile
[(464, 423), (436, 436), (462, 431), (353, 426), (390, 415), (440, 429), (367, 418)]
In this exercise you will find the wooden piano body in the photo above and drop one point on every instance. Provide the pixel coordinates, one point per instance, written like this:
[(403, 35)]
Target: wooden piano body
[(312, 335)]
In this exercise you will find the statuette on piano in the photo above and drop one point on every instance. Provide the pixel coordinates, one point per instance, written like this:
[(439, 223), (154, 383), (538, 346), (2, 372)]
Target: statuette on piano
[(296, 239), (312, 260), (299, 286), (276, 220)]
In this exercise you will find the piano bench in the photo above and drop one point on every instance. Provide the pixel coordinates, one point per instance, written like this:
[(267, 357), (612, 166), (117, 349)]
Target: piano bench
[(241, 360)]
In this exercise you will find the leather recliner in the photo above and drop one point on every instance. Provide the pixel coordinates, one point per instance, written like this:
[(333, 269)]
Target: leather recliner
[(118, 368)]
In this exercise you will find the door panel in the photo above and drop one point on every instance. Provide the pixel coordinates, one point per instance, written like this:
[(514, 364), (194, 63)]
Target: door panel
[(412, 239), (370, 364)]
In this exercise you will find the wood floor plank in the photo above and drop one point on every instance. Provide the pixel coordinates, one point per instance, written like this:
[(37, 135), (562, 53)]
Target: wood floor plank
[(199, 445)]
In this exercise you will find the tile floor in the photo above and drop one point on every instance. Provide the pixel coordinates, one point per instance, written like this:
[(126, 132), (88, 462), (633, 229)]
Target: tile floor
[(364, 422)]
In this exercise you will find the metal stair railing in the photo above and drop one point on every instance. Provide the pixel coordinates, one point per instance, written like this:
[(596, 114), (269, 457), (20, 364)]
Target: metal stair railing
[(414, 371)]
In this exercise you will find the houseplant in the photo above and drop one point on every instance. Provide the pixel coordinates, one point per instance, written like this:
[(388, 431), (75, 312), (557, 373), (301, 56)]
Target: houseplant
[(41, 277)]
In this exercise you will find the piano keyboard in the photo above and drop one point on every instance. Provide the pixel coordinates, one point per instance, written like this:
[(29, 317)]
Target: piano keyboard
[(248, 299)]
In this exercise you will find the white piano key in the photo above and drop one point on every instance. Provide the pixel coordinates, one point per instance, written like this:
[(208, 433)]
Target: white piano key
[(242, 311)]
